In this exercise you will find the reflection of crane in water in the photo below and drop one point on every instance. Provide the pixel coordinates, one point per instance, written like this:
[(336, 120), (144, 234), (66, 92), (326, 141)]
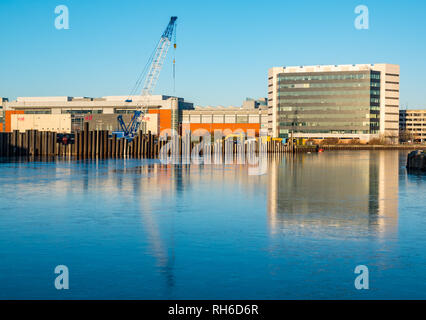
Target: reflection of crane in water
[(163, 251)]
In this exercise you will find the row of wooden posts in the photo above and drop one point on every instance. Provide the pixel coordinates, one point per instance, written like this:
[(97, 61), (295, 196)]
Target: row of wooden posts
[(86, 144), (101, 144)]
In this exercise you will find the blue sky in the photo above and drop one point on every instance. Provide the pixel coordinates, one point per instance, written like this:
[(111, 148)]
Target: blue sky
[(224, 47)]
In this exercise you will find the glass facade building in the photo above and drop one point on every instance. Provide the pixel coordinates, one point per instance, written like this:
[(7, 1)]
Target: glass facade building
[(331, 102)]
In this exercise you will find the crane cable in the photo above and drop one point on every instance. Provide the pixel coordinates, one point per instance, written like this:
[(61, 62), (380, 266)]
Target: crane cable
[(142, 74), (174, 60)]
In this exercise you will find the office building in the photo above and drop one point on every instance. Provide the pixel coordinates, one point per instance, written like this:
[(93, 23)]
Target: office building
[(412, 125), (334, 101)]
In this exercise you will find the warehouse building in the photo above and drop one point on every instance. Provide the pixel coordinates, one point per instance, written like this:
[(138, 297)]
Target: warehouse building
[(87, 105), (165, 108), (252, 116), (334, 101), (162, 113)]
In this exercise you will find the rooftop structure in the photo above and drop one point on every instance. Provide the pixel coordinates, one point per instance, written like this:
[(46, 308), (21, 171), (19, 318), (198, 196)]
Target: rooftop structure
[(84, 105)]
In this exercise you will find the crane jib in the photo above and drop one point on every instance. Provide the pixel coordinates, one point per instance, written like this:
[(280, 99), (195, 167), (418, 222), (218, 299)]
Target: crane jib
[(170, 27), (155, 65), (158, 58)]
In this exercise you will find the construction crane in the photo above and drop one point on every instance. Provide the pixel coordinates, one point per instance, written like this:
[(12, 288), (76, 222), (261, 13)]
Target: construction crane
[(159, 57), (129, 131), (149, 76)]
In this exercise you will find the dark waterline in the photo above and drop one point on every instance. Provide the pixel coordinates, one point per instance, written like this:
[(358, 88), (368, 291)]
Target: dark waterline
[(136, 229)]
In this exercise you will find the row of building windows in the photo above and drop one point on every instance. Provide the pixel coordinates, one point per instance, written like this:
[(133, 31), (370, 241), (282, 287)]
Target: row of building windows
[(284, 131), (320, 93), (81, 111), (414, 114), (326, 100), (325, 123), (124, 111), (38, 111), (329, 85), (414, 119), (224, 119), (282, 107), (330, 116), (355, 76)]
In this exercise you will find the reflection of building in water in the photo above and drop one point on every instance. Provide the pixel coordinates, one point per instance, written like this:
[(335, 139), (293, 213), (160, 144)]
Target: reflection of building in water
[(388, 190), (335, 189)]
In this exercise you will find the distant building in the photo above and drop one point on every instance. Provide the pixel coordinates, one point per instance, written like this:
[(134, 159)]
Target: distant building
[(79, 107), (254, 103), (2, 103), (412, 125), (87, 105), (229, 119), (334, 101), (163, 113)]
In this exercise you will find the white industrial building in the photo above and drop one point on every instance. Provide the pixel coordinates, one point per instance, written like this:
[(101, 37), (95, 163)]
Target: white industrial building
[(83, 105)]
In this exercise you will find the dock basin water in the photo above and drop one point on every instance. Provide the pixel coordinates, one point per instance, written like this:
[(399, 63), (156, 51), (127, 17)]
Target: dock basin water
[(137, 229)]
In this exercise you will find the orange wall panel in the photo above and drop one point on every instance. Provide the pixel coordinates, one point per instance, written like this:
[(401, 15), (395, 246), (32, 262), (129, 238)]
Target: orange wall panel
[(8, 119), (165, 118), (227, 128)]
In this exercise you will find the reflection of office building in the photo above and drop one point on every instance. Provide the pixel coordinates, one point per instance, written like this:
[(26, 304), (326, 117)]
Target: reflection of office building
[(344, 101), (387, 186), (354, 189)]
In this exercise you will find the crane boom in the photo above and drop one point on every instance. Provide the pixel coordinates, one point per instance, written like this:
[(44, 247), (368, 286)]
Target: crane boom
[(159, 57), (155, 63)]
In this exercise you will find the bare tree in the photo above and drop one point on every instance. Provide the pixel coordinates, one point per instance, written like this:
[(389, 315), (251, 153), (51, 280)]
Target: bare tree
[(406, 136)]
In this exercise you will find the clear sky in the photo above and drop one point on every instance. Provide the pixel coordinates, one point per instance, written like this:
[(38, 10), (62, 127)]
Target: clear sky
[(224, 47)]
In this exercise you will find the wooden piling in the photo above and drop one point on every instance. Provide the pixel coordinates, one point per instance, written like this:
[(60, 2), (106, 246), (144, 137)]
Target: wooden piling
[(97, 143)]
